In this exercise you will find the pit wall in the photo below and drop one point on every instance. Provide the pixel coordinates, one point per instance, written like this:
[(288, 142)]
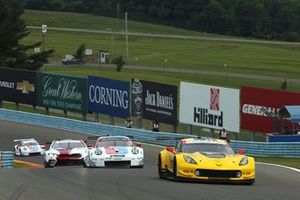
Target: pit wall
[(262, 149)]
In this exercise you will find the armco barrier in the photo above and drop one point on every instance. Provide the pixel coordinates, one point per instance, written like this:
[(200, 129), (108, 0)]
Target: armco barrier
[(282, 149), (6, 159)]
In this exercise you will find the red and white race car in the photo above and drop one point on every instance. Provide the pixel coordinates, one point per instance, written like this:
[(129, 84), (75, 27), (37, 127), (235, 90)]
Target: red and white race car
[(65, 151)]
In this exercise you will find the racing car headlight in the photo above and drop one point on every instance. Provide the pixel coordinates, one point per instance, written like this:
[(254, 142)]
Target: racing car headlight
[(244, 161), (98, 152), (189, 159), (52, 154), (24, 148), (135, 150)]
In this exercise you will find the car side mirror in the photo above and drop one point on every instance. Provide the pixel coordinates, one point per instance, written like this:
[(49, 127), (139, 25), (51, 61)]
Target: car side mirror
[(138, 144), (242, 151), (171, 149)]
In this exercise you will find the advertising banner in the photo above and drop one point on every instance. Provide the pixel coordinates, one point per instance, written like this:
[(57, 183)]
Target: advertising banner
[(108, 96), (260, 107), (62, 92), (154, 101), (209, 106), (18, 86)]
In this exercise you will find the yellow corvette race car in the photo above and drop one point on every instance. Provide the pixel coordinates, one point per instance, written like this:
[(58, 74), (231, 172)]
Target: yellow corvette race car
[(205, 159)]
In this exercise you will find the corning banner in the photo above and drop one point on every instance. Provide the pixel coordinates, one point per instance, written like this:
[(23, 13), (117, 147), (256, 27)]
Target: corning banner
[(62, 92), (209, 106), (108, 96), (160, 102), (259, 108), (18, 86)]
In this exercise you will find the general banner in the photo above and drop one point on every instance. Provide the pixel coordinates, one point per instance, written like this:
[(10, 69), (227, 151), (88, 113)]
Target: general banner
[(154, 101), (209, 106), (18, 86), (260, 107), (108, 96), (62, 92)]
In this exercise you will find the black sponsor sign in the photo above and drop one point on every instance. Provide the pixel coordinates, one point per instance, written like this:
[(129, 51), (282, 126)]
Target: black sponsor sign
[(154, 101), (18, 86)]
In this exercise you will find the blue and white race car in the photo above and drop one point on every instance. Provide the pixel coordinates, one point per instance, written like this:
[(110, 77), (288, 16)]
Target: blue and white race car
[(27, 147), (114, 151)]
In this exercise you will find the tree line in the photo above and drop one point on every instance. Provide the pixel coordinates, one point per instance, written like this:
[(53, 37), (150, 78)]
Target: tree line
[(268, 19)]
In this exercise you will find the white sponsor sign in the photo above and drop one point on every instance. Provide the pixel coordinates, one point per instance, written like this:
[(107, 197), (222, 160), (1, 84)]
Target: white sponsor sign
[(44, 28), (209, 106)]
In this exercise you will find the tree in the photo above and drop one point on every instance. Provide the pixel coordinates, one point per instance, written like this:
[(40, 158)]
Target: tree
[(12, 31), (79, 54), (119, 62)]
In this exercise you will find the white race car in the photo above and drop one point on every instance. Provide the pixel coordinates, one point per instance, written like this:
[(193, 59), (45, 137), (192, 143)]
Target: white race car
[(65, 151), (114, 151), (27, 147)]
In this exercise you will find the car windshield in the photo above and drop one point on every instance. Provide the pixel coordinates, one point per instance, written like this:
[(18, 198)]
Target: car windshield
[(67, 145), (107, 142), (207, 148)]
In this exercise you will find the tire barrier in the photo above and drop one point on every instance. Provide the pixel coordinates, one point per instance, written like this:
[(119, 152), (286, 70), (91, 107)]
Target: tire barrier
[(262, 149), (6, 159)]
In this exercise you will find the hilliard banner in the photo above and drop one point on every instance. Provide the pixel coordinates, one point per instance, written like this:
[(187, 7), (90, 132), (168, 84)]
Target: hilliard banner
[(154, 101), (209, 106), (18, 86), (62, 92), (108, 96)]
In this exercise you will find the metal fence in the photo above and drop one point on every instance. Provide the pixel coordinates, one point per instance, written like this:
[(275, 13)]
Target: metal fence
[(264, 149), (6, 159)]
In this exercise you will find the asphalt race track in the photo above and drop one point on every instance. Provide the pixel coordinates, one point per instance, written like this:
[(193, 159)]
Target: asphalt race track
[(76, 182)]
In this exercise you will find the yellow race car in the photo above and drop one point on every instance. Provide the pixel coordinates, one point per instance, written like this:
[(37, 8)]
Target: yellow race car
[(205, 159)]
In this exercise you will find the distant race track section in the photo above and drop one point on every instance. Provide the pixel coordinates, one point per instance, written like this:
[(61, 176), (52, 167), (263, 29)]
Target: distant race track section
[(282, 149)]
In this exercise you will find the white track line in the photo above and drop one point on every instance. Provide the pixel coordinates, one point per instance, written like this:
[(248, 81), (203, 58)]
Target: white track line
[(282, 166)]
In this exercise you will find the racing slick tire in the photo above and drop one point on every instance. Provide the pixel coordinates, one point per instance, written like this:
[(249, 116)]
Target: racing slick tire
[(174, 174), (161, 174)]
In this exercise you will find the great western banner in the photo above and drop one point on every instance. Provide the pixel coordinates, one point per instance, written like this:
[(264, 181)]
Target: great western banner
[(154, 101), (62, 92), (209, 106), (18, 86), (260, 107), (108, 96)]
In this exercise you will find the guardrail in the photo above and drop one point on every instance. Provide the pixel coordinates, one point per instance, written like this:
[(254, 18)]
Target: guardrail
[(6, 159), (281, 149)]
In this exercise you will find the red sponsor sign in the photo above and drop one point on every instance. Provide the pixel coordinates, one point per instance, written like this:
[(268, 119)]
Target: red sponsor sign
[(214, 98), (259, 108)]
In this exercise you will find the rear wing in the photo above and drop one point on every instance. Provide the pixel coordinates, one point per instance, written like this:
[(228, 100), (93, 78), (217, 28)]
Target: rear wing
[(175, 138), (28, 139)]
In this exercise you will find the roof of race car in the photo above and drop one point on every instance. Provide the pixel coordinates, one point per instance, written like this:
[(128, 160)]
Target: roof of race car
[(67, 140), (203, 140)]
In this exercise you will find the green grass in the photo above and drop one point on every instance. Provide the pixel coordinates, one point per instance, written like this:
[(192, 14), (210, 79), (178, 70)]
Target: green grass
[(282, 60), (291, 162), (92, 22)]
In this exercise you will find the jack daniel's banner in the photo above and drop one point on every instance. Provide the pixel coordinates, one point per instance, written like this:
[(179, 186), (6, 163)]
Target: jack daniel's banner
[(154, 101), (18, 86), (62, 92)]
